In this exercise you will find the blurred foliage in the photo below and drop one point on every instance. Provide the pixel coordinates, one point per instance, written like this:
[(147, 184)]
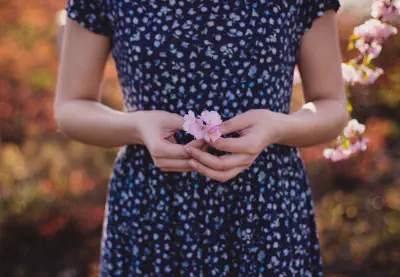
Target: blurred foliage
[(52, 190)]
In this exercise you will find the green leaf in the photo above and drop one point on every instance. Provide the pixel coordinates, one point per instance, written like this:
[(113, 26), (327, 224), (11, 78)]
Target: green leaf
[(351, 45), (364, 73), (352, 40), (349, 107), (372, 66), (354, 37), (367, 60), (346, 143)]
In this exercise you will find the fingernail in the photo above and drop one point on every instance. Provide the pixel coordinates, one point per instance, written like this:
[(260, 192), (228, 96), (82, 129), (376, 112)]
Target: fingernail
[(193, 164), (187, 149)]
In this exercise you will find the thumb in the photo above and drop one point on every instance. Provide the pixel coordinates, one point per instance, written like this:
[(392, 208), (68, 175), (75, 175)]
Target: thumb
[(237, 123), (173, 121)]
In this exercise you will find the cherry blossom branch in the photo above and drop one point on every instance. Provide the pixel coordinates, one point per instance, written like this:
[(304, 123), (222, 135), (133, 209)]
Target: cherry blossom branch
[(367, 38)]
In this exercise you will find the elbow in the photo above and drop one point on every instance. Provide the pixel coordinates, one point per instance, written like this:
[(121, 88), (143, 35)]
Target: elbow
[(343, 117), (59, 117), (56, 114)]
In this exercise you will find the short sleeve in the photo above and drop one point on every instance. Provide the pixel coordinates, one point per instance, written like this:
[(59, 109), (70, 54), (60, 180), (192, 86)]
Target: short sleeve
[(313, 9), (90, 14)]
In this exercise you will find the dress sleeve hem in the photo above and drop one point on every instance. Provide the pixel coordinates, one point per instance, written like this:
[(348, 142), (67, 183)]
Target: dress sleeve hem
[(326, 6), (86, 21)]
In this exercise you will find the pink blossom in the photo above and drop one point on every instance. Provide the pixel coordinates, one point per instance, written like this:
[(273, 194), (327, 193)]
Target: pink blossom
[(353, 128), (350, 74), (378, 9), (328, 153), (193, 125), (386, 11), (360, 145), (374, 50), (374, 30), (189, 119), (197, 129), (361, 45), (352, 135), (356, 126), (335, 154), (367, 75), (211, 117), (392, 16), (206, 126), (211, 132), (341, 153)]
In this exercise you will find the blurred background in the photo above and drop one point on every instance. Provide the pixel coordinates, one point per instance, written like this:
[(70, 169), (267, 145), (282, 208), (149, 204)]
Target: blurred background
[(53, 191)]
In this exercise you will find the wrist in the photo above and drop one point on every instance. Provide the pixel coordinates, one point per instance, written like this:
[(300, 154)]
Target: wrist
[(283, 125), (132, 122)]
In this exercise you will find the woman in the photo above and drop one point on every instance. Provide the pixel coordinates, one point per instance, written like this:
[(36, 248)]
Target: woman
[(176, 206)]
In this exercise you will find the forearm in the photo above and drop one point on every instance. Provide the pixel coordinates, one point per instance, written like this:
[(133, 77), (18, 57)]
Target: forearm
[(91, 122), (315, 123)]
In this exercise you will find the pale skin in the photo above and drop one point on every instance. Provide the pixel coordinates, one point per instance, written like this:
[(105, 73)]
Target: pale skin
[(81, 116)]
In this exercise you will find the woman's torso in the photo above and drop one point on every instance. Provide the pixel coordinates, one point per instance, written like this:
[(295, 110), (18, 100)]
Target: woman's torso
[(228, 56)]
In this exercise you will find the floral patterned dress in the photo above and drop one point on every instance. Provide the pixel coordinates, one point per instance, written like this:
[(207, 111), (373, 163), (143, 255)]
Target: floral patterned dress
[(224, 55)]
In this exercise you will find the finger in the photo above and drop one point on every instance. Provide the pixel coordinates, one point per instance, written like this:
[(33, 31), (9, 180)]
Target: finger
[(242, 145), (171, 139), (173, 122), (167, 134), (200, 143), (171, 163), (221, 163), (237, 123), (170, 169), (169, 150), (197, 143), (221, 176)]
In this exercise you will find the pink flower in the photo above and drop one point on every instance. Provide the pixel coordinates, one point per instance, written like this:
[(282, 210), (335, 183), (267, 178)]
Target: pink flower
[(386, 11), (352, 136), (356, 126), (211, 117), (353, 127), (350, 74), (374, 30), (367, 75), (189, 119), (335, 154), (212, 132), (378, 9), (193, 125), (360, 145), (374, 50), (341, 153), (197, 129), (206, 126), (361, 45), (361, 75)]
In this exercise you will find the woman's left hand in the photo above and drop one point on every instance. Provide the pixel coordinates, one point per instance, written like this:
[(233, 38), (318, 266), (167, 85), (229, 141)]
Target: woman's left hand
[(257, 129)]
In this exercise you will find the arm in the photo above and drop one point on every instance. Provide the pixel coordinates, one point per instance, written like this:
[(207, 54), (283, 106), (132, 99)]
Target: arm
[(325, 113), (78, 112), (81, 116)]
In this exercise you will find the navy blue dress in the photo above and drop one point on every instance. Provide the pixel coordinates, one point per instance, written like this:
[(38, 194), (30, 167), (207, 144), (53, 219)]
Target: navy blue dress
[(225, 55)]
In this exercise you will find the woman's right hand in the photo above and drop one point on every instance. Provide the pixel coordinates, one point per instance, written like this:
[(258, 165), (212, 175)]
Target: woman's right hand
[(156, 130)]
